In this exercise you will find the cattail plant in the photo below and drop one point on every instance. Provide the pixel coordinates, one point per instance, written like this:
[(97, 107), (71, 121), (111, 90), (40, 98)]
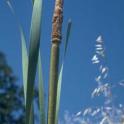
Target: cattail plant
[(32, 59), (54, 63)]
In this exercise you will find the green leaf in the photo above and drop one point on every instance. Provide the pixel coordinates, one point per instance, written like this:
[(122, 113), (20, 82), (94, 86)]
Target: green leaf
[(67, 36), (61, 70), (24, 62), (33, 54), (41, 92), (24, 50), (24, 71)]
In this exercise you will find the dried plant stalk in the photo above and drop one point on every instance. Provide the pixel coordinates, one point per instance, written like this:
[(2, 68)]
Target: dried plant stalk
[(54, 62)]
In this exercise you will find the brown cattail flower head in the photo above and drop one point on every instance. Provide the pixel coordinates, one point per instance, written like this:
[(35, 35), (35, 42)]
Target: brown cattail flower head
[(57, 21)]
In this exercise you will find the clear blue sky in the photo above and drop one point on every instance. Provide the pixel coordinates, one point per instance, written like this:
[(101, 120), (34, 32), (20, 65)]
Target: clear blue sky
[(90, 18)]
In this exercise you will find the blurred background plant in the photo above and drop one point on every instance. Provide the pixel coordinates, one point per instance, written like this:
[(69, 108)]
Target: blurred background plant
[(11, 95)]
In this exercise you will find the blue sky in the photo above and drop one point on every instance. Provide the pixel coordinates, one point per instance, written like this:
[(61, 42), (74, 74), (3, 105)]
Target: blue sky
[(90, 19)]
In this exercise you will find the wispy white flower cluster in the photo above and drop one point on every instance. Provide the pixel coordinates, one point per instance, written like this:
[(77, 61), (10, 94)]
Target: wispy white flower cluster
[(99, 59), (99, 51), (108, 112)]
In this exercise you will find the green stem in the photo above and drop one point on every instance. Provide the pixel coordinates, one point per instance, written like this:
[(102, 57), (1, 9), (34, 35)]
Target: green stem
[(54, 62), (53, 83)]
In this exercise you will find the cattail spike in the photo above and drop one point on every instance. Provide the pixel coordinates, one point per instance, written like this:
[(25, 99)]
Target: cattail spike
[(57, 21), (54, 61)]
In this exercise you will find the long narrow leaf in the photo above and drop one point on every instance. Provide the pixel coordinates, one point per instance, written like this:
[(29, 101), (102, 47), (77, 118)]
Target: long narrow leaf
[(24, 60), (24, 50), (67, 36), (41, 92), (24, 71), (61, 70), (33, 55)]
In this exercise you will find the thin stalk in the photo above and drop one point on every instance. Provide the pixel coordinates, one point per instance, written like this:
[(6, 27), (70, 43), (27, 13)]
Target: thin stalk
[(54, 62)]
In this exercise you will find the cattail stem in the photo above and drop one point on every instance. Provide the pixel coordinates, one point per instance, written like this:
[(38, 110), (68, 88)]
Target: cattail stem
[(54, 62), (53, 83)]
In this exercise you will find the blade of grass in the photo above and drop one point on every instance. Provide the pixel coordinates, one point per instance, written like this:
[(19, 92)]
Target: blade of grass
[(41, 92), (67, 36), (24, 60), (24, 71), (61, 70), (24, 50), (33, 54)]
